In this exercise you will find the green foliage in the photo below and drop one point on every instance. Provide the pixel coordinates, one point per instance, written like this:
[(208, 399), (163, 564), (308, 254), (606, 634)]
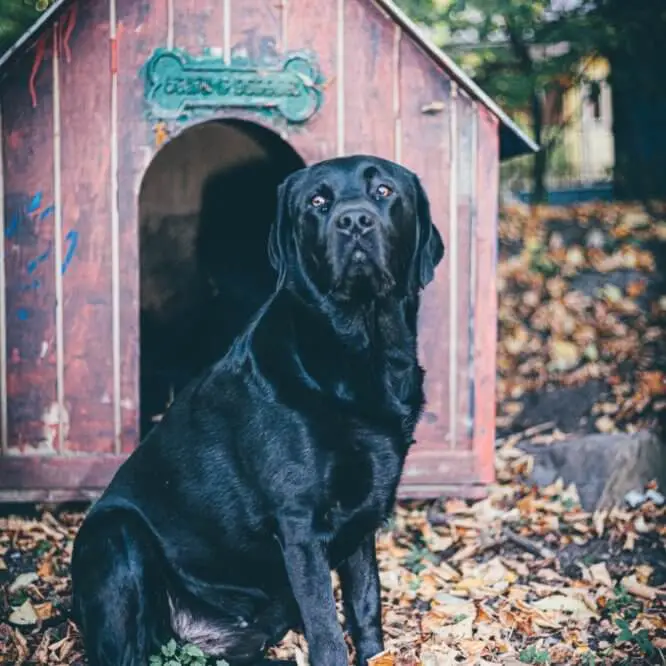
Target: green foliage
[(512, 48), (16, 16), (172, 654), (640, 638), (531, 655)]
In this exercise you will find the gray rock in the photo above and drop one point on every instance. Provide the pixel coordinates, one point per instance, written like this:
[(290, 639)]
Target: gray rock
[(569, 407), (604, 468)]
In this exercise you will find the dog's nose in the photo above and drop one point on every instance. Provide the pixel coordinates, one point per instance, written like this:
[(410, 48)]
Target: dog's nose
[(354, 220)]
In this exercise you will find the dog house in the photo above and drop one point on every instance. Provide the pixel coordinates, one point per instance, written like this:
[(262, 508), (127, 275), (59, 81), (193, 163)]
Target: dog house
[(142, 141)]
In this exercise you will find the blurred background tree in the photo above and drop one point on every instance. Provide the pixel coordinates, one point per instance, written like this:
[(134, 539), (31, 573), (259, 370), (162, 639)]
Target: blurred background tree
[(528, 53)]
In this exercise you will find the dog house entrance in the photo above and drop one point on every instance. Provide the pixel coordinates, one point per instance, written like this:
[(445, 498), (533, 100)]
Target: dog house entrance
[(205, 207)]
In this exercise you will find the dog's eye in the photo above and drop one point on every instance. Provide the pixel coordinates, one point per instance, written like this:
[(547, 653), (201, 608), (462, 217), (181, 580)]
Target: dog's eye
[(384, 190), (318, 200)]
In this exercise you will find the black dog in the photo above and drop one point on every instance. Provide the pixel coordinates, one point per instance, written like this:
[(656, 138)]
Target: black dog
[(280, 462)]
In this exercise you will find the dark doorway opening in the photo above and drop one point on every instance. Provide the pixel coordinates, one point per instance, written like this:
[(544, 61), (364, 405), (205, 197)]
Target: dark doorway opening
[(207, 201)]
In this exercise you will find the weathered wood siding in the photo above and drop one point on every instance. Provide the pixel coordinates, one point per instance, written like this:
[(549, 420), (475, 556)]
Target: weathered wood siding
[(76, 144)]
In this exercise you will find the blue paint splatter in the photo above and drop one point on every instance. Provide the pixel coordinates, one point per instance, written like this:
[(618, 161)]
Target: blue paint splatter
[(35, 203), (73, 238), (34, 263), (46, 212), (13, 224), (30, 211), (35, 284)]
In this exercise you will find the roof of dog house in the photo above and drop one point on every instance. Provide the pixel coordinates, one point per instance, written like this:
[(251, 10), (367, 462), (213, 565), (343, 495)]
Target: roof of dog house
[(99, 103)]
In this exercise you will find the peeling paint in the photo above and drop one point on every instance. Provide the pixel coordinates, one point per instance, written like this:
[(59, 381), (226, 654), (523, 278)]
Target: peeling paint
[(127, 403), (54, 418)]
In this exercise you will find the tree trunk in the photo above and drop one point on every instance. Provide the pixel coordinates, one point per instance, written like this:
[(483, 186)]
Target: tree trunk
[(540, 159), (639, 97)]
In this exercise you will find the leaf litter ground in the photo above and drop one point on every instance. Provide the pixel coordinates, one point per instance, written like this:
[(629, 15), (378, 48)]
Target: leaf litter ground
[(525, 575)]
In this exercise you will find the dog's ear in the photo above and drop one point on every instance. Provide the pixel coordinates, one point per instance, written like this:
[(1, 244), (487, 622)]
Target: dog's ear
[(278, 232), (430, 246)]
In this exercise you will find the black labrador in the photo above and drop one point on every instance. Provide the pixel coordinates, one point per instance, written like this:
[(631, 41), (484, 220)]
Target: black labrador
[(280, 462)]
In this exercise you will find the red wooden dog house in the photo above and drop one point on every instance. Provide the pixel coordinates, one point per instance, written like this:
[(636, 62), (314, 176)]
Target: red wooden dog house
[(113, 112)]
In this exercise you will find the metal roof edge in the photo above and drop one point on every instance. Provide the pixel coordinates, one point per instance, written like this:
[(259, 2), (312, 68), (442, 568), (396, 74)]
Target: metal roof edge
[(32, 30), (528, 145)]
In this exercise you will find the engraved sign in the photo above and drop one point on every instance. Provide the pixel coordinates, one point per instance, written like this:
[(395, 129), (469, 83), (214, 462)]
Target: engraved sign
[(179, 85)]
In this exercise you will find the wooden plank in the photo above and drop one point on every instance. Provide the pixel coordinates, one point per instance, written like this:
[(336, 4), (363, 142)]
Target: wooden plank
[(85, 103), (92, 472), (3, 309), (425, 144), (255, 30), (370, 68), (28, 140), (84, 477), (466, 204), (312, 25), (198, 25), (142, 27), (485, 294)]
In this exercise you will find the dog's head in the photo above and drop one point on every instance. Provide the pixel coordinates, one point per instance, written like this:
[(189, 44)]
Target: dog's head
[(355, 229)]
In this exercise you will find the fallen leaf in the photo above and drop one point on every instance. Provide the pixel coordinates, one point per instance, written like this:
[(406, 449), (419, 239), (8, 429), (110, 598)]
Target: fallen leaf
[(24, 614), (22, 581), (382, 659), (632, 586), (561, 603), (599, 574), (564, 355)]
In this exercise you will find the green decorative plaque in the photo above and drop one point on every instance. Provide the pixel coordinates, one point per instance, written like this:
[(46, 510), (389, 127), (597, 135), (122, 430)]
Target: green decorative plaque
[(179, 85)]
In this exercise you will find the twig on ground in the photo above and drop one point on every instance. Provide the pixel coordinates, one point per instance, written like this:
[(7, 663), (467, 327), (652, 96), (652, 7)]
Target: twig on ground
[(526, 544), (528, 432)]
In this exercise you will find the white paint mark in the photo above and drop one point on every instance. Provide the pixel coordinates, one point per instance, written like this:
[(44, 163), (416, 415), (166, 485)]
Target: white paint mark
[(453, 270), (55, 420), (115, 249), (397, 111), (127, 403), (341, 78), (226, 28), (57, 201), (170, 24)]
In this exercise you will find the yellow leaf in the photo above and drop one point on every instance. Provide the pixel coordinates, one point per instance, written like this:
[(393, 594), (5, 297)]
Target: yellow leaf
[(605, 424), (564, 355), (382, 659)]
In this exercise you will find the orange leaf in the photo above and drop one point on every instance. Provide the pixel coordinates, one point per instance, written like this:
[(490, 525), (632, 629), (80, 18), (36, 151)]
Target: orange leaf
[(382, 659)]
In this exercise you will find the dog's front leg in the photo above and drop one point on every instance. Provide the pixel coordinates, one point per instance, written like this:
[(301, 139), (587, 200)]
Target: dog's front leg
[(359, 579), (308, 569)]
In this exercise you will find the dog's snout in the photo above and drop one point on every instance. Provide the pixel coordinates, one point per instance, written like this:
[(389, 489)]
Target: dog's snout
[(354, 220)]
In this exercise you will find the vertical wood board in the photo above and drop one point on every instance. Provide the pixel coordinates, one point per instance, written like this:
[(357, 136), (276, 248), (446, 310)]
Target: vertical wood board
[(466, 204), (33, 414), (485, 294), (425, 139), (313, 25), (86, 269), (370, 64), (198, 25), (142, 27)]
